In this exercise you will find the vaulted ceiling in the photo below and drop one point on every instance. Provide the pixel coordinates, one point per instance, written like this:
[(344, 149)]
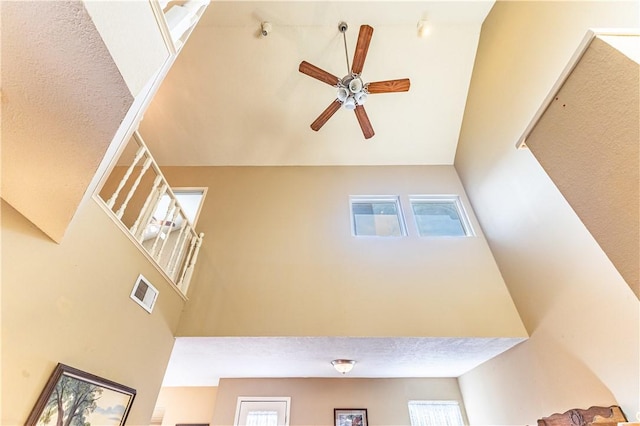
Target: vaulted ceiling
[(234, 97)]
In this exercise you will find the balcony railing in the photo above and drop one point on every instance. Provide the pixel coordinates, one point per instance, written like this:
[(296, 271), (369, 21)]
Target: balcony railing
[(139, 198)]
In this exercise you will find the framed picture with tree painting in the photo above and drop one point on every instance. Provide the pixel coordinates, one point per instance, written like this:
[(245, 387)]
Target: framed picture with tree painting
[(73, 397)]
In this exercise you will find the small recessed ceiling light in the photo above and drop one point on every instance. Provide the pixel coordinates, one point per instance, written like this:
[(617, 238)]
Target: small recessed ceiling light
[(424, 29)]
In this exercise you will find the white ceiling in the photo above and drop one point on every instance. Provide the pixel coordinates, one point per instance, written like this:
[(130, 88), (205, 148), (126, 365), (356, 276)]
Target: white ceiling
[(198, 361), (236, 98)]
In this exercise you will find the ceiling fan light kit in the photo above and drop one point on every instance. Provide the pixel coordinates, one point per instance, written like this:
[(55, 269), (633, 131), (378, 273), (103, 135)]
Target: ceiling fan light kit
[(352, 91)]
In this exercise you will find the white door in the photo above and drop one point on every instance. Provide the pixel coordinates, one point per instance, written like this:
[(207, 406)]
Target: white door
[(262, 411)]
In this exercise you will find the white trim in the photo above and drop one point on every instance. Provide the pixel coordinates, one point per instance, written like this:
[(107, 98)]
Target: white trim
[(163, 27)]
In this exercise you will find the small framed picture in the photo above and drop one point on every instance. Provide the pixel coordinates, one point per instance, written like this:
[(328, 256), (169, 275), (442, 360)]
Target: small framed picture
[(350, 416), (73, 397)]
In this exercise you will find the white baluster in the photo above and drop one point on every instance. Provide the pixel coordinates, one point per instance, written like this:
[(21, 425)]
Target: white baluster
[(125, 178), (145, 206), (122, 208), (172, 205), (187, 260), (184, 285), (179, 20), (148, 216), (175, 253), (171, 224)]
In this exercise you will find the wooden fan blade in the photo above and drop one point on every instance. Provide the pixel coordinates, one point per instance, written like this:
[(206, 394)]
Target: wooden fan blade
[(389, 86), (326, 115), (318, 73), (365, 124), (364, 38)]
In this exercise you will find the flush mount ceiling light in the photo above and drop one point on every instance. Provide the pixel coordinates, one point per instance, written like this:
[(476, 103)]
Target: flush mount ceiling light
[(343, 365)]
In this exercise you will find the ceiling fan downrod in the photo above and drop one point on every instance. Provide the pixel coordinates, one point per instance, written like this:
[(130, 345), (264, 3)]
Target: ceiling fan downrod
[(351, 90), (343, 27)]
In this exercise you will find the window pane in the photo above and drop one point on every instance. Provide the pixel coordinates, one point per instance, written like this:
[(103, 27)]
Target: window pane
[(376, 218), (262, 418), (438, 218), (189, 200), (435, 413)]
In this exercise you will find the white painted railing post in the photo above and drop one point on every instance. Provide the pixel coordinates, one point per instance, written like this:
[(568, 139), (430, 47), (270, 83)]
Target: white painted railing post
[(187, 260), (141, 151), (160, 234), (145, 207), (123, 207), (186, 279), (170, 224), (178, 248), (148, 215)]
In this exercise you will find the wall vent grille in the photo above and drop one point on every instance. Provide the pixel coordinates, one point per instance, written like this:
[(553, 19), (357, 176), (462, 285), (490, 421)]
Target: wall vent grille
[(144, 294)]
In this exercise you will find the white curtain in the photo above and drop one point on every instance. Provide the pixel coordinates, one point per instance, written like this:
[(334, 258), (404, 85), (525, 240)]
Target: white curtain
[(435, 413), (262, 418)]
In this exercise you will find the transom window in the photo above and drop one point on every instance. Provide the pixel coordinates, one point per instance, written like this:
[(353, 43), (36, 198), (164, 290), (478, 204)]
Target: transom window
[(262, 418), (262, 411), (435, 413), (440, 216), (377, 216)]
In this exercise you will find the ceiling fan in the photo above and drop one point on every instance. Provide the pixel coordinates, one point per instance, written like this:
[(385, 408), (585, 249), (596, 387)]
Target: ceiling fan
[(352, 91)]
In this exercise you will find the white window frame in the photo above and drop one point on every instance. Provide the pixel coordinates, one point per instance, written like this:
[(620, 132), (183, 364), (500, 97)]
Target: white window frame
[(242, 399), (453, 199), (378, 199), (189, 189)]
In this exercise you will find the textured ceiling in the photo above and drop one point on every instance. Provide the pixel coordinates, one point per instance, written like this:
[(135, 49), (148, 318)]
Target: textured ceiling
[(236, 98), (198, 361)]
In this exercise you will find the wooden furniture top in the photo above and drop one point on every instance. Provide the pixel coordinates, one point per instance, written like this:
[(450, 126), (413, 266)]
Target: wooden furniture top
[(596, 416)]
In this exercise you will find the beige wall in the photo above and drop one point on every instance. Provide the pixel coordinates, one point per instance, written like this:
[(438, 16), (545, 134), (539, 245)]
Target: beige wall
[(50, 153), (313, 400), (279, 259), (587, 140), (70, 303), (582, 316), (186, 404), (131, 33)]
